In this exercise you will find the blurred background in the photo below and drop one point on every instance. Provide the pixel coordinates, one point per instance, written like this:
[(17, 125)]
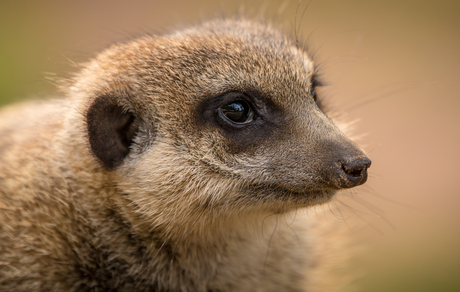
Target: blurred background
[(392, 66)]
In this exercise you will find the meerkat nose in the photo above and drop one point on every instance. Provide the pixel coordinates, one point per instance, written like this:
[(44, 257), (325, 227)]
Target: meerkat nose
[(353, 171)]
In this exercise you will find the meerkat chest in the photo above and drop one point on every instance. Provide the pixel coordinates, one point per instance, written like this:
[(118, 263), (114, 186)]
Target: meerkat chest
[(274, 261)]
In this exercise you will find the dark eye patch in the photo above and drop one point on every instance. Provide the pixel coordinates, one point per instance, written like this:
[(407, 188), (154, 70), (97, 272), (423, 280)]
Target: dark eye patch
[(244, 118)]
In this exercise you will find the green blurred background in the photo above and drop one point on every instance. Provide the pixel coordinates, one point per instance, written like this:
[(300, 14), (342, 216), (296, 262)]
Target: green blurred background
[(402, 56)]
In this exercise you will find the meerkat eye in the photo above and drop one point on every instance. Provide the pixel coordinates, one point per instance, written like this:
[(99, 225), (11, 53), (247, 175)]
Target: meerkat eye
[(237, 111), (313, 94)]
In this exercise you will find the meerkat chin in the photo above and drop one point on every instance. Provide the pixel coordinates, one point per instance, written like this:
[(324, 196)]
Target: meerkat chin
[(170, 165)]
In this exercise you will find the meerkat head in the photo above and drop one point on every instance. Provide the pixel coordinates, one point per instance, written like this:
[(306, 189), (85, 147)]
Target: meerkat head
[(222, 115)]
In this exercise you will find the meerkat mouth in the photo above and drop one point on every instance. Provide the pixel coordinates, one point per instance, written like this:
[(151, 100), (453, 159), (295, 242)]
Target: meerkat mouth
[(279, 192)]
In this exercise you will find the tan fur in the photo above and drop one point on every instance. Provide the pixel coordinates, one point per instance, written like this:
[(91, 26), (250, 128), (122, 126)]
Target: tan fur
[(173, 216)]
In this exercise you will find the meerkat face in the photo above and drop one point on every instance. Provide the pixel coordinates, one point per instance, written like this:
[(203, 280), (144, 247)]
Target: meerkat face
[(223, 114)]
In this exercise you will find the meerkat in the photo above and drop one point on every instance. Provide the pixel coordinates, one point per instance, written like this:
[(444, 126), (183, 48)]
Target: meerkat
[(171, 164)]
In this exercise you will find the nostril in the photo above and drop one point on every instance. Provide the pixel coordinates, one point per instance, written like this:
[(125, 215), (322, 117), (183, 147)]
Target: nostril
[(356, 166), (353, 172)]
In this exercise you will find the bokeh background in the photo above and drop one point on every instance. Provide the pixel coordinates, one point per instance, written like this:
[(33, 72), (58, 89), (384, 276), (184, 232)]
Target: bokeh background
[(392, 66)]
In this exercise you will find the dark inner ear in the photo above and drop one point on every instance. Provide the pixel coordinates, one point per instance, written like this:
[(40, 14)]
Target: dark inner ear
[(111, 131)]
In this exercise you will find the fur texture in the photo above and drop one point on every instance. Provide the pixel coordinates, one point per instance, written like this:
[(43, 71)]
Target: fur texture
[(138, 181)]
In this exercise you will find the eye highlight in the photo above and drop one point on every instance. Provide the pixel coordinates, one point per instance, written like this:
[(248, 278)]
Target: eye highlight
[(238, 112)]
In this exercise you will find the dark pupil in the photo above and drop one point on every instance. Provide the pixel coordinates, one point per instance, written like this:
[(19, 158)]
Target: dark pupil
[(237, 111), (313, 93)]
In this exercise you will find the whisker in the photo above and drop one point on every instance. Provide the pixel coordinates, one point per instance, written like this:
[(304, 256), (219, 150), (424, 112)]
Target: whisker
[(376, 211), (344, 218), (368, 205), (372, 150), (352, 53), (263, 222), (341, 215), (353, 209), (317, 50), (322, 65), (389, 93), (269, 244), (376, 194), (356, 213), (303, 14)]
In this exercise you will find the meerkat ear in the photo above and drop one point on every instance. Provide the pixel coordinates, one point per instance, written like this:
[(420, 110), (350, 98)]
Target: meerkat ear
[(111, 130)]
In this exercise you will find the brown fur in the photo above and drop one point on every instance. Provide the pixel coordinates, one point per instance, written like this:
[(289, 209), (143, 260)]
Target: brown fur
[(191, 207)]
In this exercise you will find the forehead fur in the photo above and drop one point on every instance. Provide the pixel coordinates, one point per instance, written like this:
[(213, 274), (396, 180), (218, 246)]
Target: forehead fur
[(208, 59)]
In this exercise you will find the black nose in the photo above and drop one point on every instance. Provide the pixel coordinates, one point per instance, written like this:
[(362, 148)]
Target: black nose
[(353, 171)]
